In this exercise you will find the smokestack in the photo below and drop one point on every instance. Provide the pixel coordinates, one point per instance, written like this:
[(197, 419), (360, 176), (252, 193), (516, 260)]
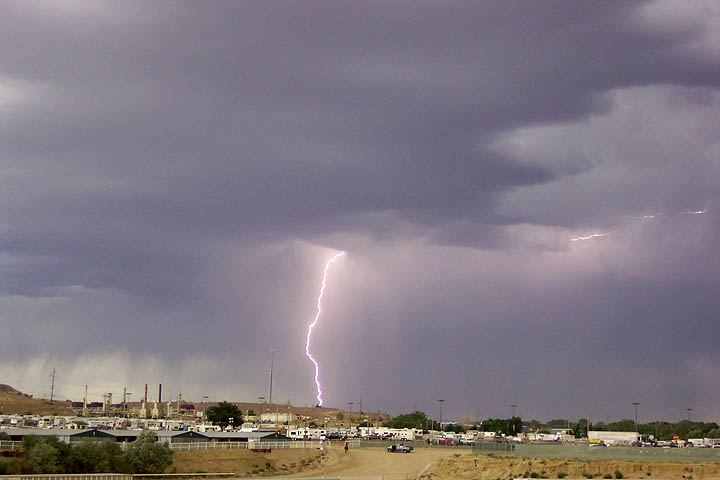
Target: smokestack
[(146, 393), (160, 393)]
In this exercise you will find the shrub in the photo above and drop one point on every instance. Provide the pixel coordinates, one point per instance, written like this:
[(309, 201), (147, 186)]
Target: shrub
[(607, 475), (534, 475), (562, 475), (146, 455), (618, 474)]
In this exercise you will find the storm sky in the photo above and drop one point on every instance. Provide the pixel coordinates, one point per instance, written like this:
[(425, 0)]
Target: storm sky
[(174, 176)]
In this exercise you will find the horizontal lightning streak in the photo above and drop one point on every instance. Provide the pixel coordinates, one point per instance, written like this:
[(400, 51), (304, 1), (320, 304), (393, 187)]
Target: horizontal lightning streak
[(594, 235), (312, 325)]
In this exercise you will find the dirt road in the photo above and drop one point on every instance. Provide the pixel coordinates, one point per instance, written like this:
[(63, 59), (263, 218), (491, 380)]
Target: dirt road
[(377, 463)]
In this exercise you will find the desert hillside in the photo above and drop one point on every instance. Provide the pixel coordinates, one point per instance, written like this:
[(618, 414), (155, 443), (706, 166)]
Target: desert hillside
[(13, 401)]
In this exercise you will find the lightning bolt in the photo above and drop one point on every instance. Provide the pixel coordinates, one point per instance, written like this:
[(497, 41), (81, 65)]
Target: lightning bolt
[(312, 325), (589, 237), (696, 212)]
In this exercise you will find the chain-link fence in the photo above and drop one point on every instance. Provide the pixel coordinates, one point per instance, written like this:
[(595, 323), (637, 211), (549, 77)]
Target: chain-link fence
[(585, 452), (485, 447)]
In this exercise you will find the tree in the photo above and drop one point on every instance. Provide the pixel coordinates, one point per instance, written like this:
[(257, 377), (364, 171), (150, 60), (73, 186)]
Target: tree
[(44, 455), (416, 419), (96, 456), (146, 455), (224, 414)]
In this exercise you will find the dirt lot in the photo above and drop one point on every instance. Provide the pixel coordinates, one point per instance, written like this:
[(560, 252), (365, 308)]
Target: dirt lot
[(495, 468), (246, 462), (360, 462), (425, 464)]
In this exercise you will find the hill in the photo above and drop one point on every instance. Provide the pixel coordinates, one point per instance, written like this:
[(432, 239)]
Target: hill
[(13, 401)]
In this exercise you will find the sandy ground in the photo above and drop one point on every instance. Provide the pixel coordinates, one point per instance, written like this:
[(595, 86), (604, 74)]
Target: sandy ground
[(245, 462), (365, 463), (426, 464), (376, 462), (504, 468)]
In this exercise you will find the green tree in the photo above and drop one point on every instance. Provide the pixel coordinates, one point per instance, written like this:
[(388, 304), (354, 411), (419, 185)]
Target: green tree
[(44, 455), (224, 414), (507, 426), (96, 456), (558, 423), (146, 455), (416, 419)]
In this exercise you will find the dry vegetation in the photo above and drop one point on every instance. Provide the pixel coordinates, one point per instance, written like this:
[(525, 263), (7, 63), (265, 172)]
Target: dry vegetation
[(245, 462), (504, 468), (15, 402)]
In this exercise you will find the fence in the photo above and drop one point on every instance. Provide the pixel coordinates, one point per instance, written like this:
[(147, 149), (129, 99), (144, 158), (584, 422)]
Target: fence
[(584, 452), (241, 445), (112, 476), (90, 476), (10, 445), (483, 447)]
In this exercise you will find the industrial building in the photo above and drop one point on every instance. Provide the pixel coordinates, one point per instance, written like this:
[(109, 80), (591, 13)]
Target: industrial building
[(165, 436)]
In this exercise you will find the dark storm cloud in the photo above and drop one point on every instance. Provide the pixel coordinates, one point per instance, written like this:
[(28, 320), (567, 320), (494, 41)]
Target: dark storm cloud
[(170, 171)]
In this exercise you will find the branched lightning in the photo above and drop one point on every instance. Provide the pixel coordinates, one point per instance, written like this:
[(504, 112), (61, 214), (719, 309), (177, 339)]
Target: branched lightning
[(314, 322), (588, 237), (655, 216)]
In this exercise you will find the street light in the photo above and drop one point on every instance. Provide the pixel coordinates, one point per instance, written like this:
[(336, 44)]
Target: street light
[(441, 402), (514, 406), (689, 410)]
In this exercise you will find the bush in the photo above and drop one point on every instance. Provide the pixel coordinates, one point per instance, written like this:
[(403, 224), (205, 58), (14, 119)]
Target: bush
[(534, 475), (562, 475), (618, 474), (607, 475), (93, 456), (146, 455), (588, 475), (44, 455)]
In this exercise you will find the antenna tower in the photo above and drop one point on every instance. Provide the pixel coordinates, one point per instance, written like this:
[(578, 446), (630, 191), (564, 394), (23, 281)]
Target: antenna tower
[(52, 386)]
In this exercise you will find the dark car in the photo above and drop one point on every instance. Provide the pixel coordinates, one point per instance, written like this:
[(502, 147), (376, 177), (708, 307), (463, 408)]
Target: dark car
[(400, 448)]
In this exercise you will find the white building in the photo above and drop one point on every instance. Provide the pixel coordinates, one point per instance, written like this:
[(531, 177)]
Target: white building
[(278, 418), (613, 438)]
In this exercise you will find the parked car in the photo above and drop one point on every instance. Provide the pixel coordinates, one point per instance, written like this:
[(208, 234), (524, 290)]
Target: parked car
[(400, 448)]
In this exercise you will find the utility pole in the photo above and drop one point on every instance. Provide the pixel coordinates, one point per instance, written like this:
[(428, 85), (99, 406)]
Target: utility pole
[(514, 406), (350, 415), (52, 386), (272, 359), (636, 424)]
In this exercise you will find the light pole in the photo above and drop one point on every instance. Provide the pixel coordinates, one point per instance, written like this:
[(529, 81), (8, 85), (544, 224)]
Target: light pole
[(636, 425), (350, 404), (689, 410), (441, 402), (514, 406)]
